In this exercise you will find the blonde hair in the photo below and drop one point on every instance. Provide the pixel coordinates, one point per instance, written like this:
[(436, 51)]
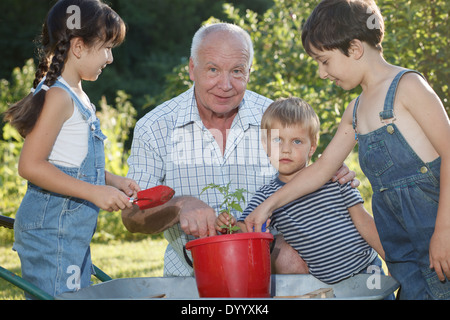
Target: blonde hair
[(289, 112)]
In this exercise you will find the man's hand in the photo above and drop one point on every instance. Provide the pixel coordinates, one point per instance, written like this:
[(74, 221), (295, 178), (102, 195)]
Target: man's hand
[(197, 218)]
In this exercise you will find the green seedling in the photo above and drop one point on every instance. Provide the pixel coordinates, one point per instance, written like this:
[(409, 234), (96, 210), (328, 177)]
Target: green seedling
[(231, 201)]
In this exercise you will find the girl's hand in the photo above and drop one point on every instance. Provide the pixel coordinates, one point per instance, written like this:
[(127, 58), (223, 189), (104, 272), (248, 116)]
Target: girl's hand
[(224, 219), (126, 185), (110, 198)]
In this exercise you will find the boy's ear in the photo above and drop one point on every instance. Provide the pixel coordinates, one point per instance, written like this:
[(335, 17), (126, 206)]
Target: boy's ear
[(356, 49), (312, 150)]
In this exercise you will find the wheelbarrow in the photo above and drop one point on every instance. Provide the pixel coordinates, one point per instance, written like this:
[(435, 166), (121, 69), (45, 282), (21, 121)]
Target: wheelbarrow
[(283, 287), (145, 199), (297, 287)]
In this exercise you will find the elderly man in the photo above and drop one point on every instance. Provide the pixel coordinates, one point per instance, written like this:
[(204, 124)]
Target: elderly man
[(208, 134)]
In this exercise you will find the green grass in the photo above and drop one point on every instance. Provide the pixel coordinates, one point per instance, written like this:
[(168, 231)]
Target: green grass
[(118, 259)]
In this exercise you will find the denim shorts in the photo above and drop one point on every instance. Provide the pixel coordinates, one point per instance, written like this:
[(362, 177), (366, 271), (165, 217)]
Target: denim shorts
[(52, 238)]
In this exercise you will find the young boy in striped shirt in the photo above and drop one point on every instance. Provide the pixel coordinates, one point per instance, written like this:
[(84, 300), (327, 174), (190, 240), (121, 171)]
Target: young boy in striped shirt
[(329, 228)]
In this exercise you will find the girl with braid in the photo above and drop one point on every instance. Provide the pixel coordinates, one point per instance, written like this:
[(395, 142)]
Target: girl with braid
[(63, 153)]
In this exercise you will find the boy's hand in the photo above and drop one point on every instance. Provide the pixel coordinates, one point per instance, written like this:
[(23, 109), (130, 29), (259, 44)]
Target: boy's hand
[(440, 254), (224, 219), (257, 218)]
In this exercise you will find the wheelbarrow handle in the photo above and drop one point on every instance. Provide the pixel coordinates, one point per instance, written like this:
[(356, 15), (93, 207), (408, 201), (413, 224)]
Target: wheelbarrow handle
[(6, 222), (24, 285)]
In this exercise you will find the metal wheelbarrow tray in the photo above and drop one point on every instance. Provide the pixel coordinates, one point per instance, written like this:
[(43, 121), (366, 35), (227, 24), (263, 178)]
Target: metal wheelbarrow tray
[(180, 288)]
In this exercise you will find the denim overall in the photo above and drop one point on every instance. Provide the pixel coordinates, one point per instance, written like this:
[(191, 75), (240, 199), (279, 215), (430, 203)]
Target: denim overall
[(52, 231), (405, 202)]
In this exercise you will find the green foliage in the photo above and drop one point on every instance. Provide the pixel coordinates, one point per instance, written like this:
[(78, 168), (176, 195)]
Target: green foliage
[(417, 38), (115, 122), (12, 186), (231, 201)]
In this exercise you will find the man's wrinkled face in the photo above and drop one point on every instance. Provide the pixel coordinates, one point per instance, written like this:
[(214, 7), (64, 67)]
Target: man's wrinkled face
[(221, 73)]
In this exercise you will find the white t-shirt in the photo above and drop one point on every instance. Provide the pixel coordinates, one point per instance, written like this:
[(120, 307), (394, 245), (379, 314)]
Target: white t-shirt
[(71, 145)]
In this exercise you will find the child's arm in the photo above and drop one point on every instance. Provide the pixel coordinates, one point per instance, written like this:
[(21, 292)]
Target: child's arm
[(424, 105), (365, 225), (34, 165), (126, 185), (312, 177)]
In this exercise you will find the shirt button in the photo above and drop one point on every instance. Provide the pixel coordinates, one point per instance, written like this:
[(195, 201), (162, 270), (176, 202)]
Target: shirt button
[(424, 169)]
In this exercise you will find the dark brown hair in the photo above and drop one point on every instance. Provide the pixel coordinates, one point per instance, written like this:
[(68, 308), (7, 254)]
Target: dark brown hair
[(333, 24), (98, 24)]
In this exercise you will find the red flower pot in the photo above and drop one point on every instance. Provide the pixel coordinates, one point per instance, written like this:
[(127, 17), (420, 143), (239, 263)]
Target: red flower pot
[(234, 265)]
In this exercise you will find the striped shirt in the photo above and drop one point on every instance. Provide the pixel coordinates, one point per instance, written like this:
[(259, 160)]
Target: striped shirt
[(171, 146), (320, 228)]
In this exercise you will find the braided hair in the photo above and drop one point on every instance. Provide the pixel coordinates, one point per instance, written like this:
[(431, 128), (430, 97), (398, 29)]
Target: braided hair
[(99, 24)]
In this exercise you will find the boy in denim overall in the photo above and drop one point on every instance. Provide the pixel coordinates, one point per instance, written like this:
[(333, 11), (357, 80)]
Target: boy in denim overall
[(405, 201), (406, 156)]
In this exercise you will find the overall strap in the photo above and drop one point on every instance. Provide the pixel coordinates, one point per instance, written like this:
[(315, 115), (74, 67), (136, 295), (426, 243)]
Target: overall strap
[(388, 109), (87, 115), (355, 111)]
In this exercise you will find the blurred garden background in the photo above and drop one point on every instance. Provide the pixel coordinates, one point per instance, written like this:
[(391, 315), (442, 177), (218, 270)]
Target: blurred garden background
[(151, 67)]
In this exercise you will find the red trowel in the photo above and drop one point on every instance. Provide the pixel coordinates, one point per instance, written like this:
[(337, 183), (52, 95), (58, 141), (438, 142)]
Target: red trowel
[(153, 197)]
